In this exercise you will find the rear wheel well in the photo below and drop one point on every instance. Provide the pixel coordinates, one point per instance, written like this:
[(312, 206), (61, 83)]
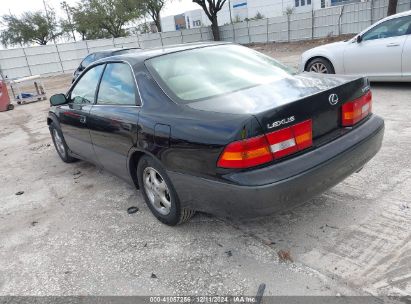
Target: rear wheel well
[(49, 121), (317, 57), (134, 159)]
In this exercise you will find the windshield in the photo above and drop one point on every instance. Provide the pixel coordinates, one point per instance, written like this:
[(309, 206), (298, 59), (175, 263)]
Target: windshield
[(202, 73)]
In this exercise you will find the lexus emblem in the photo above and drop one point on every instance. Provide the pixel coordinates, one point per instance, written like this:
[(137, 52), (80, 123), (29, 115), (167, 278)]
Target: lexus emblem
[(333, 99)]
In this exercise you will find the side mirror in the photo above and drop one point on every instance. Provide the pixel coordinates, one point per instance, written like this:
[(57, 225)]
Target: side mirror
[(58, 99), (359, 39)]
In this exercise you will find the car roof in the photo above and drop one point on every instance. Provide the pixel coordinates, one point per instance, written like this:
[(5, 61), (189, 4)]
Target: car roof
[(403, 14), (145, 54), (406, 13), (114, 50)]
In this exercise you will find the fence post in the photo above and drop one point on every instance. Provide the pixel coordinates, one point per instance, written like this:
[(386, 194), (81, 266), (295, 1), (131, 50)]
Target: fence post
[(138, 40), (88, 50), (27, 61), (248, 32), (312, 23), (58, 54), (232, 24), (267, 29), (340, 20), (288, 27), (372, 12), (201, 32), (181, 35)]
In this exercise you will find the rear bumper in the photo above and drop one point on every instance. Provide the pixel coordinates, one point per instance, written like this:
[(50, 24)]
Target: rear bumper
[(286, 184)]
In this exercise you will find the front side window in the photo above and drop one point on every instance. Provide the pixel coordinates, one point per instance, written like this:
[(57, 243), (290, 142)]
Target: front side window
[(117, 85), (390, 28), (85, 89), (203, 73)]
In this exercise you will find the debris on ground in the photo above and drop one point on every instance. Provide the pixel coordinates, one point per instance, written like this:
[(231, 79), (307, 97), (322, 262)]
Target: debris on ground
[(332, 227), (269, 242), (19, 193), (285, 256), (132, 210), (404, 206), (153, 276), (229, 253), (34, 223), (78, 172)]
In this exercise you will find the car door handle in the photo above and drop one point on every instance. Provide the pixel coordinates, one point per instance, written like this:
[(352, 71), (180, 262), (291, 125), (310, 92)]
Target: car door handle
[(82, 119), (393, 44)]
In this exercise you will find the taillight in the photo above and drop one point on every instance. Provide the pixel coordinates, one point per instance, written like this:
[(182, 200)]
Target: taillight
[(258, 150), (246, 153), (356, 110)]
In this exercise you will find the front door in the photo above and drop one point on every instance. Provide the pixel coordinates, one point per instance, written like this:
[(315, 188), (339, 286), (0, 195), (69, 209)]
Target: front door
[(406, 58), (75, 114), (379, 53), (114, 117)]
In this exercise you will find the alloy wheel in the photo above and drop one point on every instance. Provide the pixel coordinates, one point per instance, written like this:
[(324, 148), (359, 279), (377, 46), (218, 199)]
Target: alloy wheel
[(157, 190), (59, 143), (319, 67)]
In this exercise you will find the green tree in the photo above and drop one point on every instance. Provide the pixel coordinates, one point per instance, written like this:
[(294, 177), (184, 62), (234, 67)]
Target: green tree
[(67, 25), (153, 8), (211, 9), (258, 16), (87, 27), (31, 27), (109, 16)]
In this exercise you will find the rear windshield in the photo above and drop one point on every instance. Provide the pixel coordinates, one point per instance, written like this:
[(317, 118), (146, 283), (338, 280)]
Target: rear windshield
[(202, 73)]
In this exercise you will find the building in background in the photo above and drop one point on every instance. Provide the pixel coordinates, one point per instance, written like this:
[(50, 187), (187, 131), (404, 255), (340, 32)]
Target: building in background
[(245, 9)]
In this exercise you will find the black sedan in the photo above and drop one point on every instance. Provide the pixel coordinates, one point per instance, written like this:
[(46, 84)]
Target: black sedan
[(217, 128)]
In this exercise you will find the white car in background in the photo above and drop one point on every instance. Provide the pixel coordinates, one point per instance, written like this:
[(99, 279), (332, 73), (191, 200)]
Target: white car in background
[(382, 52)]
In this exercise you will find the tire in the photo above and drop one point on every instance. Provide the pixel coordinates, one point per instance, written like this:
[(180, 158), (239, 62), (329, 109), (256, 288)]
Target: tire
[(60, 144), (159, 193), (10, 107), (320, 65)]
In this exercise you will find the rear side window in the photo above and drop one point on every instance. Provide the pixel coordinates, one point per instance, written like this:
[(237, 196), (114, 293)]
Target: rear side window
[(85, 89), (117, 85), (203, 73), (89, 59)]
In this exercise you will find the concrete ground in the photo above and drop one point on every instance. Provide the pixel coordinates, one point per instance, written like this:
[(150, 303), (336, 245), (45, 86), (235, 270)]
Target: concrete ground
[(69, 233)]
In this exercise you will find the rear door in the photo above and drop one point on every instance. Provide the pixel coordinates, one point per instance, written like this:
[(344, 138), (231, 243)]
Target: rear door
[(113, 119), (379, 53), (74, 115)]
